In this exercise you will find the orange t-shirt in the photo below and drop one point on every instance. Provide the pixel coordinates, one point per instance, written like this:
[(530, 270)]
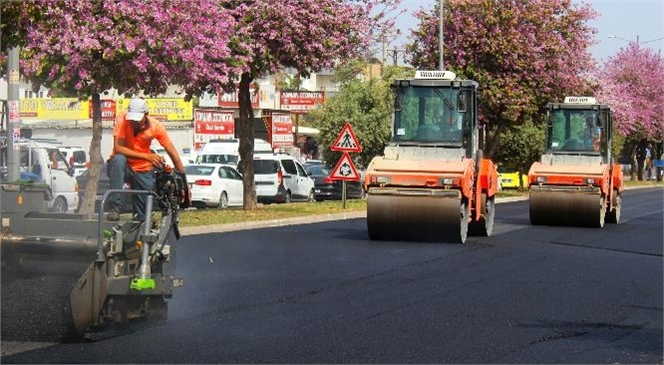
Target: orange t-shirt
[(140, 142)]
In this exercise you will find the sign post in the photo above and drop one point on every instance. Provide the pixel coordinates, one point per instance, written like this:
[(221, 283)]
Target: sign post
[(345, 169)]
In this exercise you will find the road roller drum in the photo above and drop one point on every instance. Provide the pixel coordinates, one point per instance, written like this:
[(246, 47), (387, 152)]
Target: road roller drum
[(565, 208), (417, 218)]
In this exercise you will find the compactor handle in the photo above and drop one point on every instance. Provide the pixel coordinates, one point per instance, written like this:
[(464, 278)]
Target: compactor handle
[(102, 208)]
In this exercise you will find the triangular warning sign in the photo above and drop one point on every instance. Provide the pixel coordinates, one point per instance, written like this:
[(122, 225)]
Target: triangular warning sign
[(345, 170), (346, 141)]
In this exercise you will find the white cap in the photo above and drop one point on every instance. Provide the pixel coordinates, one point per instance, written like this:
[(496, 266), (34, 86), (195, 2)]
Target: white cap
[(137, 109)]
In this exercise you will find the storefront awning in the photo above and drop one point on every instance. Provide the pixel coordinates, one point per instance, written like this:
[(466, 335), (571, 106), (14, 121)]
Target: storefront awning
[(306, 131)]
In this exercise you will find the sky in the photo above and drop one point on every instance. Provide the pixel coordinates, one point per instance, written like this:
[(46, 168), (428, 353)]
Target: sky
[(627, 19)]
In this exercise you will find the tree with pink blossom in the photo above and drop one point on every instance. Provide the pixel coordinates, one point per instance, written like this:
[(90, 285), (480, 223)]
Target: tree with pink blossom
[(305, 36), (632, 82), (82, 48), (523, 54)]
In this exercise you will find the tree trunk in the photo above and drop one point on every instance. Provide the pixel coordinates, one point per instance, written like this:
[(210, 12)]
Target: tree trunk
[(246, 134), (89, 198), (492, 140)]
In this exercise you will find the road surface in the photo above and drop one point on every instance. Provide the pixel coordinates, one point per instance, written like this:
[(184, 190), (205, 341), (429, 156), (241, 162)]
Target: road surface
[(324, 293)]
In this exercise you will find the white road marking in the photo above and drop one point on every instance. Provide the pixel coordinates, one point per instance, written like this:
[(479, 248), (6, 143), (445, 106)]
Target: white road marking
[(10, 348)]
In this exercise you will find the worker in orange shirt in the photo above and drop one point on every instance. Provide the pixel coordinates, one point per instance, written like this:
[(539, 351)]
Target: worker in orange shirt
[(132, 159)]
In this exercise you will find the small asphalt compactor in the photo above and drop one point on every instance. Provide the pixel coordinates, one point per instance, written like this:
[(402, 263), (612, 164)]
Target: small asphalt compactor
[(66, 277)]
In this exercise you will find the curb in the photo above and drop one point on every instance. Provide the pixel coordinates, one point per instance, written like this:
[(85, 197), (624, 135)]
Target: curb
[(232, 227)]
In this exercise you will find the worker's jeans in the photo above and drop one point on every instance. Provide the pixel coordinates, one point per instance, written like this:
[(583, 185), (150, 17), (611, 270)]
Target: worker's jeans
[(119, 172)]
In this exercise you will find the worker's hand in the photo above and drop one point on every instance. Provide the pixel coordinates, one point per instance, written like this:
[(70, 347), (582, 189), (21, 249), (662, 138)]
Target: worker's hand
[(156, 160)]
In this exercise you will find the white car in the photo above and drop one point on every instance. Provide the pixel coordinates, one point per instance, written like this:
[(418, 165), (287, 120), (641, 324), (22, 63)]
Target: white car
[(281, 179), (214, 185)]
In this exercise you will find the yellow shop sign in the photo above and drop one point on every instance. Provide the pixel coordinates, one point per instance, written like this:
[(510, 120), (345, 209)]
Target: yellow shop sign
[(54, 109)]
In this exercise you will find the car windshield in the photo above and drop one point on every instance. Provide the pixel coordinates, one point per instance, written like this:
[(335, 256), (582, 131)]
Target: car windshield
[(198, 170), (319, 170), (220, 158), (79, 157)]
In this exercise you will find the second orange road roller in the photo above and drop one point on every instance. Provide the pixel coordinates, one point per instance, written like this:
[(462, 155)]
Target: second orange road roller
[(432, 182), (576, 182)]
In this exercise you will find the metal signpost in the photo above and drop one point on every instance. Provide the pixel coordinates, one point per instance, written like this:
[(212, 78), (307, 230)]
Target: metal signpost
[(345, 169)]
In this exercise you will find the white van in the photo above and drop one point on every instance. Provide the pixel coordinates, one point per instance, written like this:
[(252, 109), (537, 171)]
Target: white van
[(226, 151), (45, 163)]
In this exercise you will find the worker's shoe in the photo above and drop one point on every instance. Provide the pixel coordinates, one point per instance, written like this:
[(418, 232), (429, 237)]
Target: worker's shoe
[(113, 215)]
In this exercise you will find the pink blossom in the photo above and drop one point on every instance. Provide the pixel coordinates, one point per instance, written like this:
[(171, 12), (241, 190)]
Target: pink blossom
[(632, 82)]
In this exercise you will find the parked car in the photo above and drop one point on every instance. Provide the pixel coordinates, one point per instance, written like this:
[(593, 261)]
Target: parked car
[(510, 179), (102, 186), (226, 151), (214, 185), (281, 179), (326, 189)]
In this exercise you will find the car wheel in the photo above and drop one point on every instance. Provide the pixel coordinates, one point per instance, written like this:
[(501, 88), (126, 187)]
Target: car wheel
[(223, 200), (60, 205)]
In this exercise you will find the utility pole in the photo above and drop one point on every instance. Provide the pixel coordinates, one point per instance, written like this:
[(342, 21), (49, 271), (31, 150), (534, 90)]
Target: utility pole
[(385, 39), (384, 42), (14, 121), (441, 66), (395, 56)]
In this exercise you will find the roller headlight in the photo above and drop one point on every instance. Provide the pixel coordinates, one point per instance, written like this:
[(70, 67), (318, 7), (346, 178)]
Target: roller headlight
[(380, 179)]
